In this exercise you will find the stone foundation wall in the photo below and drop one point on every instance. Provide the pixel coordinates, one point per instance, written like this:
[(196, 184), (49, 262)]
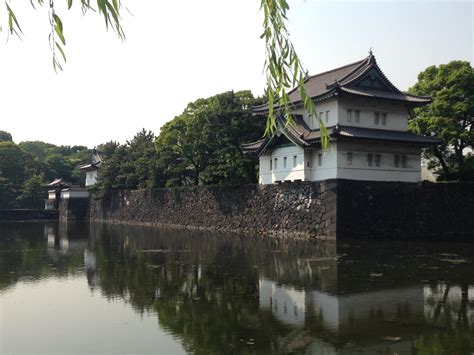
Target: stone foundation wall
[(327, 209), (295, 209), (74, 209), (28, 215)]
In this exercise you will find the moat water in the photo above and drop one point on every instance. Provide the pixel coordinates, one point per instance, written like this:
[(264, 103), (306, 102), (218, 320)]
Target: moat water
[(105, 289)]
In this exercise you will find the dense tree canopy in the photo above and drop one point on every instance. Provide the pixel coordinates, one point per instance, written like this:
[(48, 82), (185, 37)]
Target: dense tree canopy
[(450, 117), (26, 168), (5, 137), (202, 144), (12, 162), (129, 166)]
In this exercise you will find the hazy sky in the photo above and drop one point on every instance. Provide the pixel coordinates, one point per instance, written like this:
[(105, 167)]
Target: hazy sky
[(179, 51)]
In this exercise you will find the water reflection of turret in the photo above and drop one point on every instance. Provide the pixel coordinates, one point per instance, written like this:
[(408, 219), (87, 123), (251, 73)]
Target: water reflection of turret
[(282, 295), (31, 251), (50, 234), (90, 264), (72, 236), (381, 298), (52, 237)]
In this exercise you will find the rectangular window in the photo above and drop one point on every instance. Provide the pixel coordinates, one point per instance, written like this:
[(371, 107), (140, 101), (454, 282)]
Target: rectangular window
[(295, 161), (321, 116), (396, 160), (284, 163), (271, 167), (370, 158), (384, 119), (377, 159), (376, 118), (356, 116), (349, 158), (404, 161), (320, 159), (327, 116), (349, 115), (276, 163), (307, 164)]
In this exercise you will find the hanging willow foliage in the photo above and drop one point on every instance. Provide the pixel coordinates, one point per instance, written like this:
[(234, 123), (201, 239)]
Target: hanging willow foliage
[(109, 9), (283, 68)]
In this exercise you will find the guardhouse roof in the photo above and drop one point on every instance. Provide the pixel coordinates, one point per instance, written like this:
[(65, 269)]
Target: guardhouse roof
[(96, 162)]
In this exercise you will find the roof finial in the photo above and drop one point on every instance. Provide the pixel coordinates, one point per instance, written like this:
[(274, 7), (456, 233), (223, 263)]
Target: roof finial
[(371, 56)]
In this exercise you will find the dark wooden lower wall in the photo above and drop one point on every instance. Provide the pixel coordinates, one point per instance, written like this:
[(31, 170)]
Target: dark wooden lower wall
[(426, 211)]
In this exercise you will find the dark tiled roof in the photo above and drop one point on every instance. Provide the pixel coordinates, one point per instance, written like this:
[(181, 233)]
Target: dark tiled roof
[(252, 147), (385, 94), (306, 138), (316, 85), (58, 182), (96, 158), (384, 135), (345, 80), (96, 161)]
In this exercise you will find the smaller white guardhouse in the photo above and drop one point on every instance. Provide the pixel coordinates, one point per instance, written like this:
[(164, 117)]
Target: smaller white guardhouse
[(367, 120), (92, 169)]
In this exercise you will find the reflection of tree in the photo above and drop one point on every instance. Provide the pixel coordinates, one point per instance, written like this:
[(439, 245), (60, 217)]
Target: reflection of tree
[(450, 305), (449, 308), (213, 306), (204, 287)]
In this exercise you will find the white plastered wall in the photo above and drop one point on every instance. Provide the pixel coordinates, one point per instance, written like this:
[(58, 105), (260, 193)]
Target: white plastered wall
[(328, 168), (91, 177), (329, 105), (387, 171), (397, 113), (74, 194), (334, 159), (280, 172), (334, 163)]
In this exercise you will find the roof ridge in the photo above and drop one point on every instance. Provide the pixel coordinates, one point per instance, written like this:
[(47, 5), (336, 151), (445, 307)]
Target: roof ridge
[(359, 63), (336, 69), (418, 96)]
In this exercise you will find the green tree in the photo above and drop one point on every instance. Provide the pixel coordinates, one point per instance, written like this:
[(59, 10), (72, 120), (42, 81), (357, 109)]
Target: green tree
[(141, 160), (12, 163), (5, 137), (37, 149), (32, 191), (450, 117), (55, 161), (129, 166), (58, 167), (202, 144), (7, 193)]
